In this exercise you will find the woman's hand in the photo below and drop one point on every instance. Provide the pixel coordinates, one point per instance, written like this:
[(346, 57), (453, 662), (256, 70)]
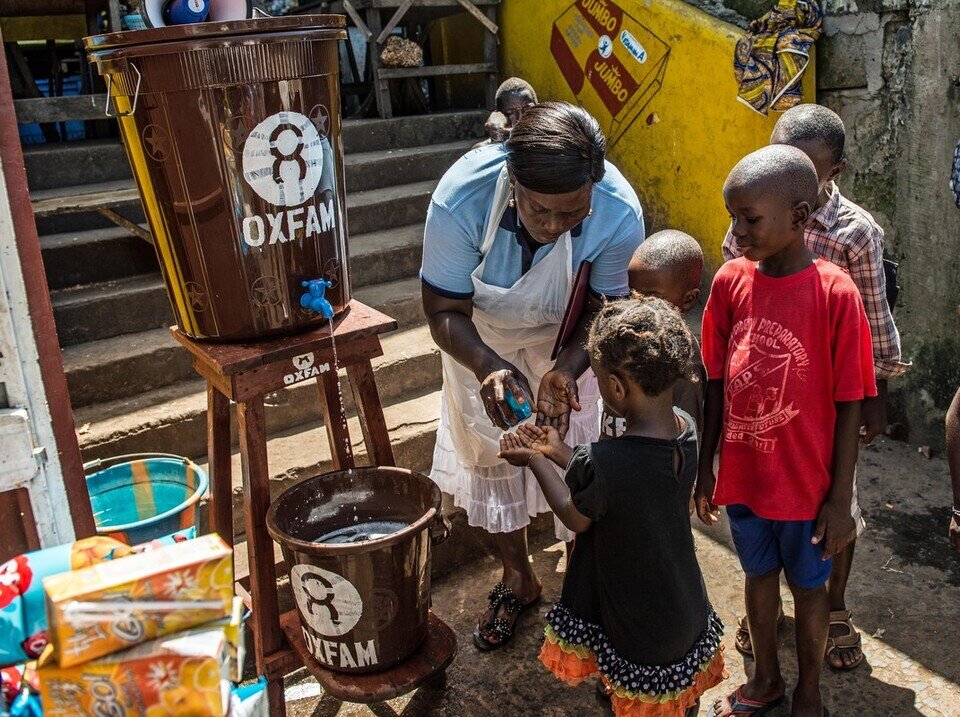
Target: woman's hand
[(516, 450), (558, 396), (493, 394)]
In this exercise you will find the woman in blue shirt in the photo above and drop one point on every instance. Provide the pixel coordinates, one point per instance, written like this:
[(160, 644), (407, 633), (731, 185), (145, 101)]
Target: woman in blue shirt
[(507, 229)]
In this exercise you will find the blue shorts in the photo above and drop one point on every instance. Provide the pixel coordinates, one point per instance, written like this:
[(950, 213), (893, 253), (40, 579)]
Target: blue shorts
[(767, 545)]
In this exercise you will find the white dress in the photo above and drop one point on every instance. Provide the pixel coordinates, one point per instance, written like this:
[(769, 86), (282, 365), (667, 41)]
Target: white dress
[(520, 324)]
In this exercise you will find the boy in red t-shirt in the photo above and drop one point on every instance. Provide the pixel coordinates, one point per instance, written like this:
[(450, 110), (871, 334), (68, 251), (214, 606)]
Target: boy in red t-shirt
[(788, 355)]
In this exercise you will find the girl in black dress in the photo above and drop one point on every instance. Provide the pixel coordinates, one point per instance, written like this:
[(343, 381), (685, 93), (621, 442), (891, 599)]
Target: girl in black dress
[(634, 607)]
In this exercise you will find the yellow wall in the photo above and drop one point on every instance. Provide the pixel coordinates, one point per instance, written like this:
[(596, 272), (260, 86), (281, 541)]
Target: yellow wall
[(677, 143)]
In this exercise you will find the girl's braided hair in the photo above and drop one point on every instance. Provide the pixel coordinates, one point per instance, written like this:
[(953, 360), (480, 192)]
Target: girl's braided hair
[(645, 339)]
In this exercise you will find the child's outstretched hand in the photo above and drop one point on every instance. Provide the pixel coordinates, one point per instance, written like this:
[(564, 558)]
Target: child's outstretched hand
[(707, 510), (515, 450), (543, 439)]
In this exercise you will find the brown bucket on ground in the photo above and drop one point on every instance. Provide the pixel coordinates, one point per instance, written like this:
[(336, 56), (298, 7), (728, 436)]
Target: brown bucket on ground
[(363, 605), (233, 133)]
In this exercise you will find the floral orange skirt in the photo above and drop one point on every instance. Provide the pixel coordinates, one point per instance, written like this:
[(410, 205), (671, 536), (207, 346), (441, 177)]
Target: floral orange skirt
[(574, 663)]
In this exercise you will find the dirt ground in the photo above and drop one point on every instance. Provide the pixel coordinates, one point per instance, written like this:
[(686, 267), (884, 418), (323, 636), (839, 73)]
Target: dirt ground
[(905, 594)]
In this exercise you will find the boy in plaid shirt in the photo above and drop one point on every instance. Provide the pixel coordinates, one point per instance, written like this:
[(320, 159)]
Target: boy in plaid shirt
[(846, 235)]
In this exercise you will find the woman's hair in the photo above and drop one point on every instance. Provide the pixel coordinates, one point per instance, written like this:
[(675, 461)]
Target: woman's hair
[(644, 339), (556, 148)]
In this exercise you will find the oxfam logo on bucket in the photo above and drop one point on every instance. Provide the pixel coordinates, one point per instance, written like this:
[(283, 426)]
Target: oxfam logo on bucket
[(329, 603), (283, 159)]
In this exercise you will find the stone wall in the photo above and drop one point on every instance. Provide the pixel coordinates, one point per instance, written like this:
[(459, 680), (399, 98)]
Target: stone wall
[(891, 69)]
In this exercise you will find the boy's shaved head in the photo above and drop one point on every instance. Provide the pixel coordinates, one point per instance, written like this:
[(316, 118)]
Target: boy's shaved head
[(514, 85), (808, 122), (674, 251), (777, 170)]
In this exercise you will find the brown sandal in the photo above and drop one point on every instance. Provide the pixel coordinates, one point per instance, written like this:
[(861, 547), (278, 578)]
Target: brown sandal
[(741, 639), (850, 641)]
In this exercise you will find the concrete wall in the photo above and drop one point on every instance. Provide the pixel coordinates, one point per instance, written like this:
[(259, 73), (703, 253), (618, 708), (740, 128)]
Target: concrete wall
[(679, 128), (891, 69)]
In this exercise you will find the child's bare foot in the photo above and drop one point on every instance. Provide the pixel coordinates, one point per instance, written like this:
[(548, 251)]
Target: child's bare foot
[(807, 704), (764, 690)]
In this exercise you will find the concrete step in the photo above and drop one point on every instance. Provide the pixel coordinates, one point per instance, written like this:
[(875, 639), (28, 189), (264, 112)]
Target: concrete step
[(172, 418), (76, 169), (367, 210), (99, 311), (94, 255), (383, 168), (122, 366), (102, 160), (110, 308), (119, 366), (52, 167), (58, 165), (97, 255), (369, 135)]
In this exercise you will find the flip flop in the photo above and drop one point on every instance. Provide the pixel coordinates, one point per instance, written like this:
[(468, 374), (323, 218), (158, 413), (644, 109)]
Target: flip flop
[(740, 706), (501, 627)]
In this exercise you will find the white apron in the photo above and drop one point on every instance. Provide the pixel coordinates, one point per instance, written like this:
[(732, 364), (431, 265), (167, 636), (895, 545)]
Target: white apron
[(520, 323)]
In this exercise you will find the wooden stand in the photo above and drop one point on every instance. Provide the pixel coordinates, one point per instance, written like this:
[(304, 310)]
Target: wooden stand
[(403, 12), (243, 373)]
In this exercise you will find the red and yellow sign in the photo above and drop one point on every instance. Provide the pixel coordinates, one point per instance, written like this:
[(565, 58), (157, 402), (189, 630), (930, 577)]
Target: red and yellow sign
[(612, 63)]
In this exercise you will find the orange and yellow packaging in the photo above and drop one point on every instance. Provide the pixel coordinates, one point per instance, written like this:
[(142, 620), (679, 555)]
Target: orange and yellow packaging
[(121, 603), (182, 675)]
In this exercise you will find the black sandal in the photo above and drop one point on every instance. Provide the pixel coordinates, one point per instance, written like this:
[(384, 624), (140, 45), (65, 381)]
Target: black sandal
[(501, 628)]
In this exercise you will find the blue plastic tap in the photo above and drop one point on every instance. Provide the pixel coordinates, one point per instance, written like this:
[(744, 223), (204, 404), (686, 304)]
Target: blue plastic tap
[(521, 410), (314, 299), (185, 12)]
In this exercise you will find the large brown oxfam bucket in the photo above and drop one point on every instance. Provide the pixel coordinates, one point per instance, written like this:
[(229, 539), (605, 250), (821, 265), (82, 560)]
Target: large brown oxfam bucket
[(233, 133), (357, 544)]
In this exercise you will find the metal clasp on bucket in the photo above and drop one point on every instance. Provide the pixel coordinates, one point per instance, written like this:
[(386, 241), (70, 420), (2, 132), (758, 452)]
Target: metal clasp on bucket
[(440, 529), (136, 94)]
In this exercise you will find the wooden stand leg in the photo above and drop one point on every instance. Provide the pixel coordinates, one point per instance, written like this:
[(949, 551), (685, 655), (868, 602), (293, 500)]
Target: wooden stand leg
[(263, 577), (334, 418), (490, 41), (381, 88), (218, 458), (372, 422)]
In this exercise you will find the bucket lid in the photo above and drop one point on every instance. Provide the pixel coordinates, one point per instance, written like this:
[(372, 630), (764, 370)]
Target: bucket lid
[(214, 30)]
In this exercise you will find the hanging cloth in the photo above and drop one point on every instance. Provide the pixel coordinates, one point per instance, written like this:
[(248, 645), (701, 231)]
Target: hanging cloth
[(955, 175), (770, 59)]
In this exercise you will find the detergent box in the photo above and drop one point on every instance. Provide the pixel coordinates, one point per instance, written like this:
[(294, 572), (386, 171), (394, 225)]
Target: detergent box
[(115, 605), (182, 674)]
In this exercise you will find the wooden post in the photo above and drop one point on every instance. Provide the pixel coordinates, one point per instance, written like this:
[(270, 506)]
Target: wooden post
[(490, 41), (370, 411), (218, 459), (381, 87), (263, 575), (335, 420)]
